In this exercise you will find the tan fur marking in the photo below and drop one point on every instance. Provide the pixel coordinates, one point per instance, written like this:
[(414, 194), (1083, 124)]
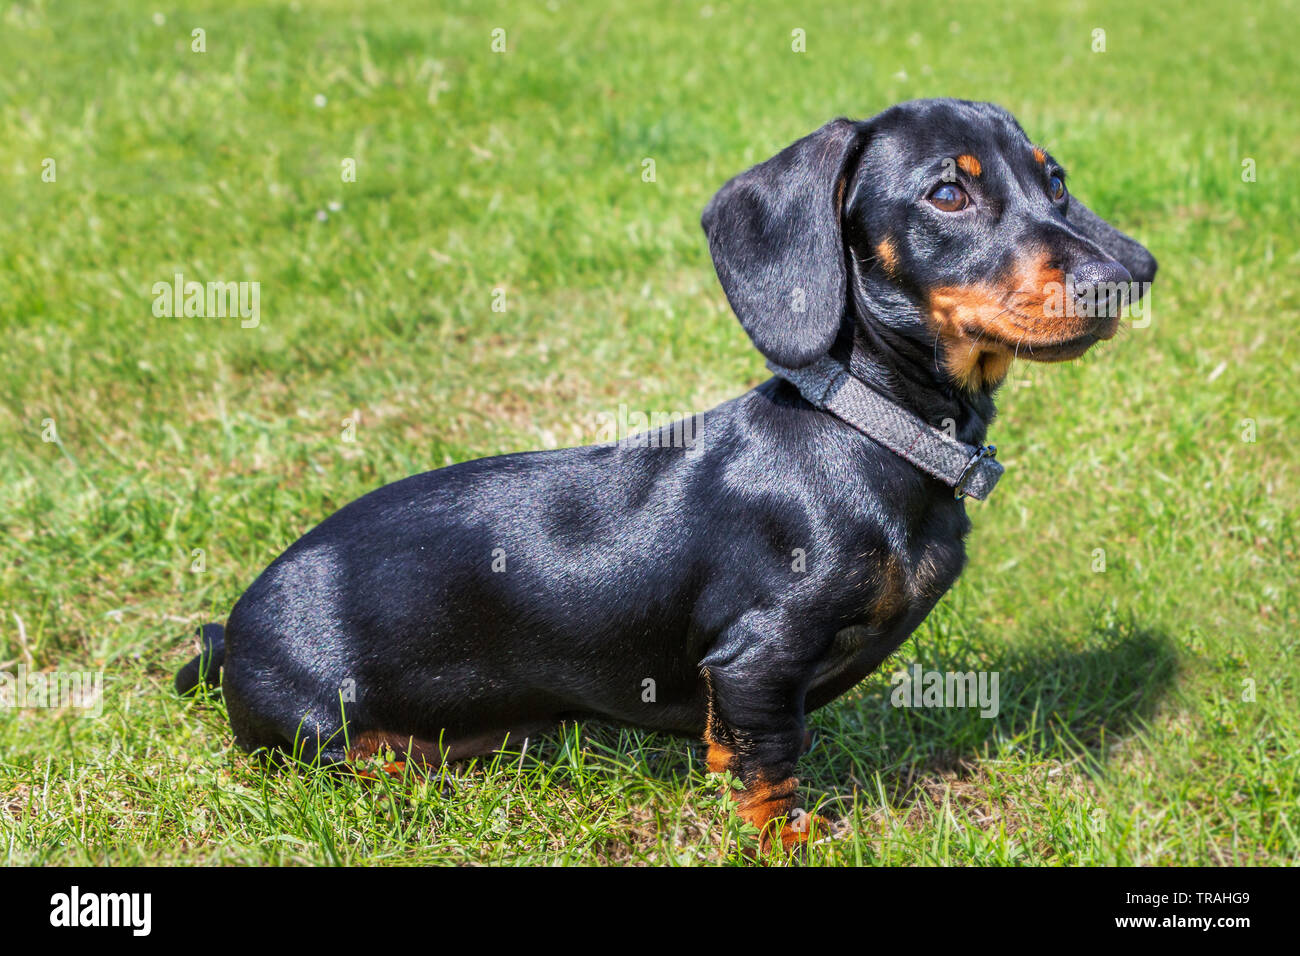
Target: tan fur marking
[(404, 747), (429, 753), (888, 255), (1039, 156), (719, 757), (762, 803), (994, 367), (969, 163), (893, 596), (982, 327)]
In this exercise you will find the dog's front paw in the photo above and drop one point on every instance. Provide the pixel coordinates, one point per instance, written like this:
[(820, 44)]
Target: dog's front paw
[(801, 827)]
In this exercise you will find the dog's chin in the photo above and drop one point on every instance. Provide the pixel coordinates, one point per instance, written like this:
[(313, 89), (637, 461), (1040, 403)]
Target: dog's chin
[(1107, 326), (1070, 349), (1064, 350), (1058, 351), (1104, 330)]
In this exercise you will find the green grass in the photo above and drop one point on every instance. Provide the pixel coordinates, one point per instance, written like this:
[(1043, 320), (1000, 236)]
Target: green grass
[(1123, 736)]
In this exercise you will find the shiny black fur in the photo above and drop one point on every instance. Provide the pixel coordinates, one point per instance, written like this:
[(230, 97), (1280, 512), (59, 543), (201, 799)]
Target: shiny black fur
[(627, 564)]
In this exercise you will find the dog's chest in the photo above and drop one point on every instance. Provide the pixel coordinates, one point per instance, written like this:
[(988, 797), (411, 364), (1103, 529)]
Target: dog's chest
[(904, 589)]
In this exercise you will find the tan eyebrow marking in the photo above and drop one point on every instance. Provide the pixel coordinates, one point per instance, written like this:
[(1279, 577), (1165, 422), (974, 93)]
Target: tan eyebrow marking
[(1039, 156), (888, 255), (969, 163)]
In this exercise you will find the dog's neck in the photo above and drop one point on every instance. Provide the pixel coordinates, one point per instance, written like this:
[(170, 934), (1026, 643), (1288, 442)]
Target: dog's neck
[(910, 376), (907, 372)]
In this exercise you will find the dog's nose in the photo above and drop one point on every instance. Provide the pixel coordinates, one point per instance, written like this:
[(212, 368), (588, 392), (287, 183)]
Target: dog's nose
[(1101, 288)]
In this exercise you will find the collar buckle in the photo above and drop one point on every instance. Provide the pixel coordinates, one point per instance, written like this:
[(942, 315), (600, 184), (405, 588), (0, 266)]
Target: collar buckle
[(986, 451)]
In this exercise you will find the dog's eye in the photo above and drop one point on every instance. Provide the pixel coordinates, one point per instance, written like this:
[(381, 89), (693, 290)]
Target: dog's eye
[(949, 197), (1056, 188)]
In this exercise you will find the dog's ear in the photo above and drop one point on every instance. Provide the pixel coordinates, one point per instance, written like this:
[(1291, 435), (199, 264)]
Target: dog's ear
[(774, 233), (1130, 253)]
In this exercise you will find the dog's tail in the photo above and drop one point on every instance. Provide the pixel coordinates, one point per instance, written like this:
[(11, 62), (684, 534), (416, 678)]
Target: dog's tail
[(206, 667)]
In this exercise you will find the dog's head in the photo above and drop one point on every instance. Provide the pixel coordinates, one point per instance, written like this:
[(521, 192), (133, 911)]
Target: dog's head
[(937, 220)]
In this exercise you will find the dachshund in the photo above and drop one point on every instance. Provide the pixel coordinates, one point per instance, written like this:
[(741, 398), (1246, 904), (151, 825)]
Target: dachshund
[(725, 575)]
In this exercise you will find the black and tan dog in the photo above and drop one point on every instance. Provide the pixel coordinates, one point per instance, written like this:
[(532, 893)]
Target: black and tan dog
[(921, 250)]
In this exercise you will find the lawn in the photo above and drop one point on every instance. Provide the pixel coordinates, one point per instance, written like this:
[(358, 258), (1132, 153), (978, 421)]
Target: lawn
[(1132, 581)]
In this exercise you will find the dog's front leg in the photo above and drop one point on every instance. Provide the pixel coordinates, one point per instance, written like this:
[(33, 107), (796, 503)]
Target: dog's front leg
[(755, 729)]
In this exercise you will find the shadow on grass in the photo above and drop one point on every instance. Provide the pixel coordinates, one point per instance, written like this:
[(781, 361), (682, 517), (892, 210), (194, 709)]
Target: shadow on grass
[(1063, 699)]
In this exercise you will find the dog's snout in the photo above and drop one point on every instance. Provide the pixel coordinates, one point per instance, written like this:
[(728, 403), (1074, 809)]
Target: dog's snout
[(1095, 273), (1101, 288)]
